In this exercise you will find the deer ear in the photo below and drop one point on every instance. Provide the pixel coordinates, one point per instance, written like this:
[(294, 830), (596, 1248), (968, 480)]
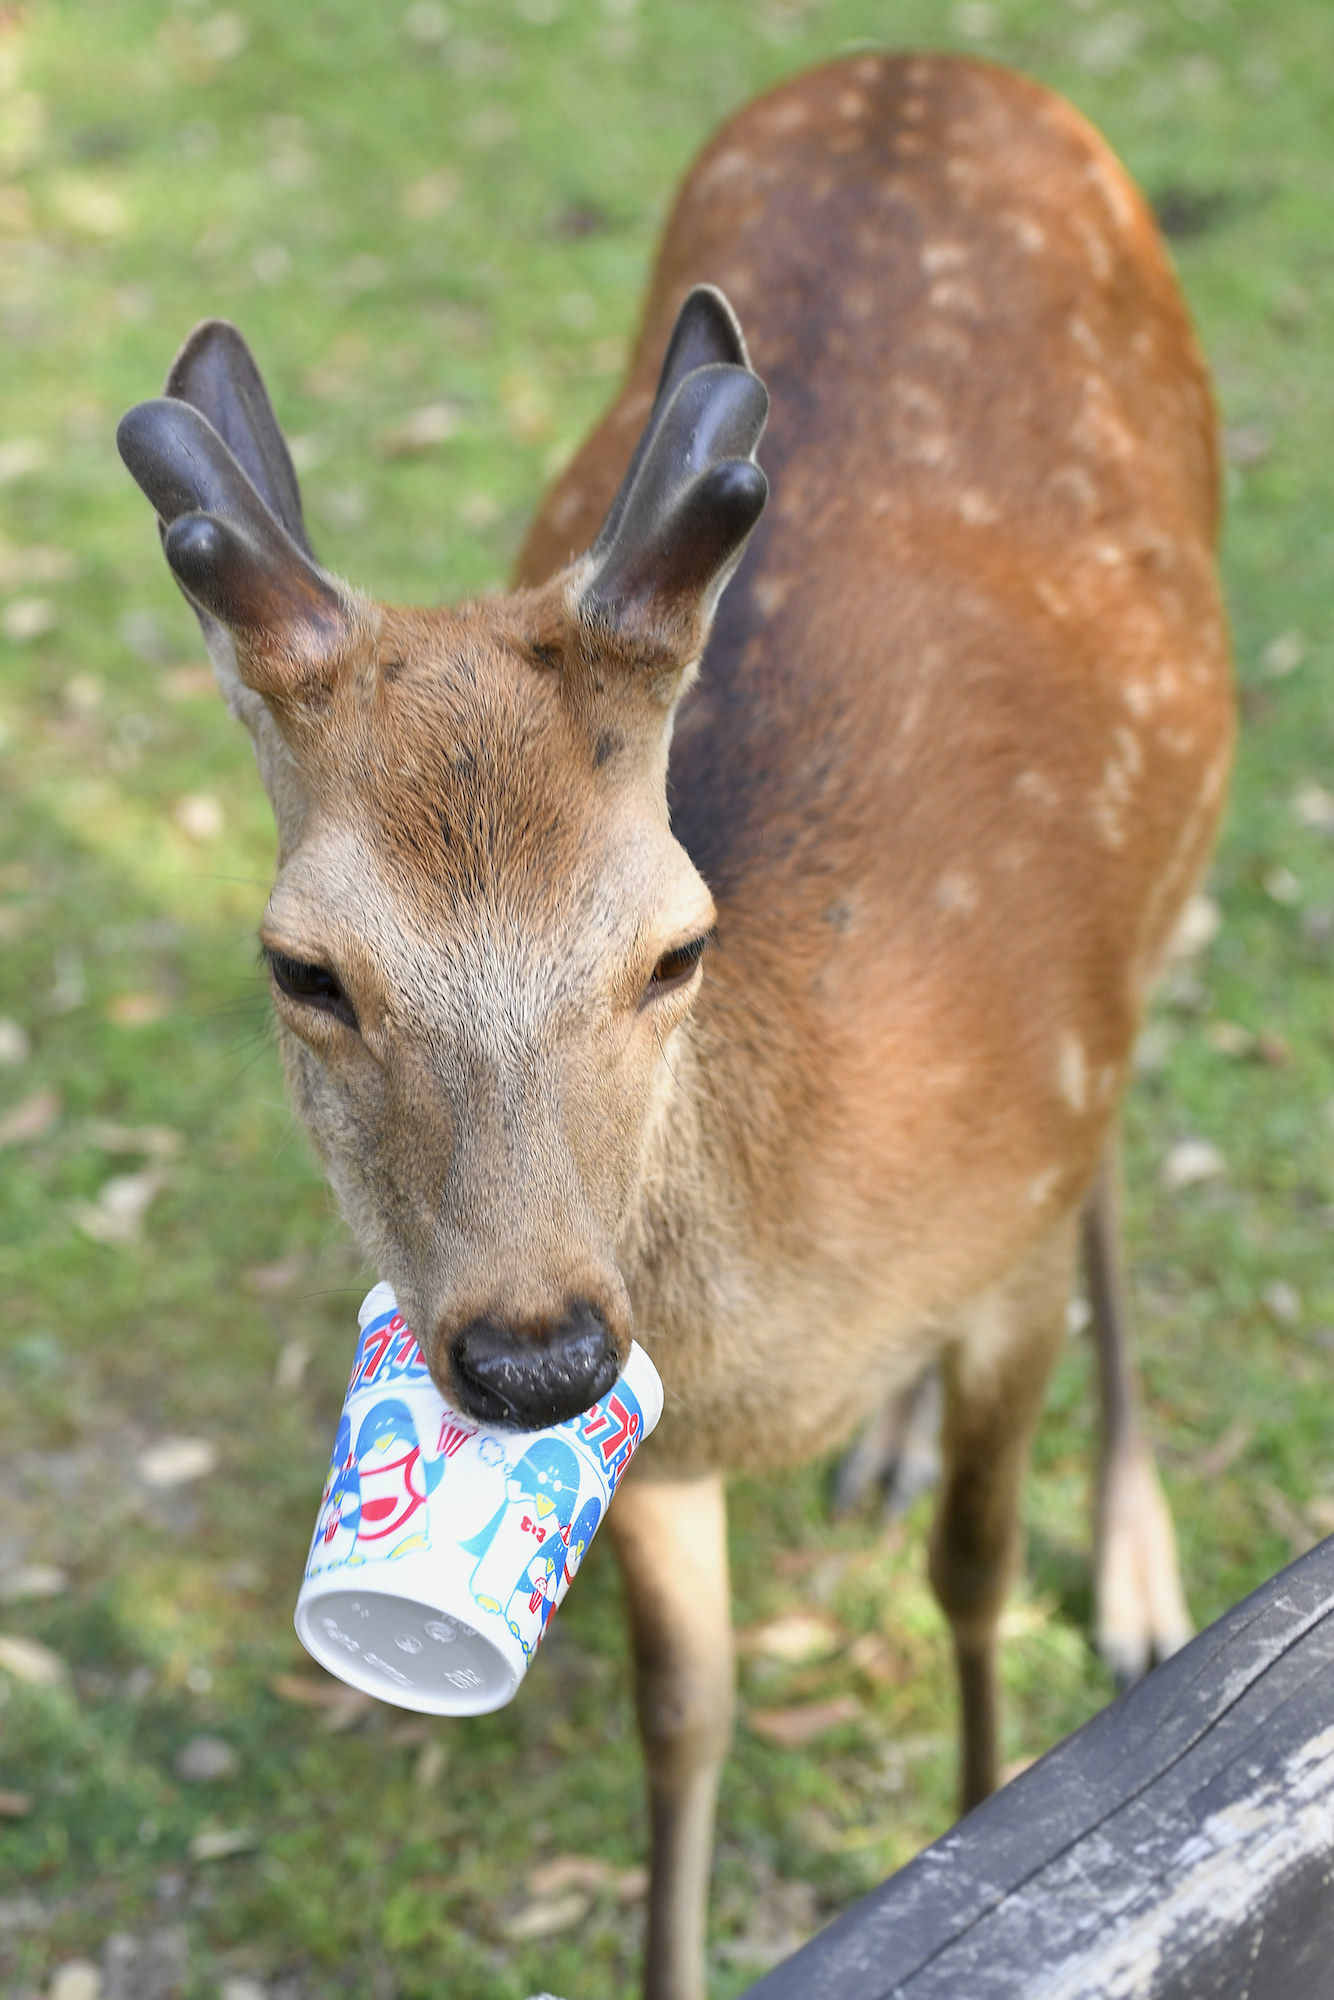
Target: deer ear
[(216, 373), (693, 492), (235, 561)]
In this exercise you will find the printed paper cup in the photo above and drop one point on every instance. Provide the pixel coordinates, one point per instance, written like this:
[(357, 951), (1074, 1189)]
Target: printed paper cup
[(442, 1545)]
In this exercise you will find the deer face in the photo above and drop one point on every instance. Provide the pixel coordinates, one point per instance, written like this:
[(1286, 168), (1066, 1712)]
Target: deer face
[(483, 935)]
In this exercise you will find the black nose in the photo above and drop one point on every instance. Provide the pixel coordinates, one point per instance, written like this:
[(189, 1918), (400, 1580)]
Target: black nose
[(510, 1375)]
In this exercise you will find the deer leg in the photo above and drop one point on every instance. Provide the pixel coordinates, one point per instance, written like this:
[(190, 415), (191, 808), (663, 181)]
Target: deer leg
[(1141, 1609), (994, 1373), (671, 1540), (897, 1454)]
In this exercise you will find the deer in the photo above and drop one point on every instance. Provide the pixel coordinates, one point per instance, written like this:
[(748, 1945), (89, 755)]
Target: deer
[(735, 935)]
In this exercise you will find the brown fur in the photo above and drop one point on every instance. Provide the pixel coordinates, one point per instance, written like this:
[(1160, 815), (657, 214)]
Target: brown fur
[(954, 761)]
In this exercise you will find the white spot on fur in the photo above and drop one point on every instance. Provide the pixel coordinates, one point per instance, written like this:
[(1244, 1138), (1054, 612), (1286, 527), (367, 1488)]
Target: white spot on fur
[(1095, 248), (729, 166), (943, 257), (1053, 599), (1084, 337), (1072, 1070), (1038, 787), (1028, 234), (939, 337), (955, 295), (789, 116), (956, 893), (1114, 192), (1116, 787), (1079, 484), (851, 104), (1099, 427), (976, 509), (1042, 1186)]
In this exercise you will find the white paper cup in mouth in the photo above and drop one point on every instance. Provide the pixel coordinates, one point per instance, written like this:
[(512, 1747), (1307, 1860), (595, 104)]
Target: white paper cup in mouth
[(443, 1545)]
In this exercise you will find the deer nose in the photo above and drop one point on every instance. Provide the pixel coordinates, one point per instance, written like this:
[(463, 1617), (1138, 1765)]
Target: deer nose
[(528, 1377)]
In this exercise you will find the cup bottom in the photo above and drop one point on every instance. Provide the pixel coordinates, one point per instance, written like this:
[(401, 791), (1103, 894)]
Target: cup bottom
[(406, 1652)]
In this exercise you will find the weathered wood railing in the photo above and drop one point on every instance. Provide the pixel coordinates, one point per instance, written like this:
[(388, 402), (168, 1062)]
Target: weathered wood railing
[(1180, 1846)]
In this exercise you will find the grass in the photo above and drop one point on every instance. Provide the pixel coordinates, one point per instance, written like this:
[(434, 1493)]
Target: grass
[(457, 206)]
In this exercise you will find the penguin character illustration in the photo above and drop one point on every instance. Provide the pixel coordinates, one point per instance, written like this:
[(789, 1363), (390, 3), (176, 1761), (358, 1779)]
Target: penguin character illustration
[(395, 1482), (541, 1493), (340, 1508)]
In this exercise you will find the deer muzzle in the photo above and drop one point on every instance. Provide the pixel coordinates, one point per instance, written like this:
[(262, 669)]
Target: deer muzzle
[(529, 1377)]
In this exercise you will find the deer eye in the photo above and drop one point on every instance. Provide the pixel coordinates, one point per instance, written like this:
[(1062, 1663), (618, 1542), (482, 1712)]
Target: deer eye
[(674, 968), (313, 985)]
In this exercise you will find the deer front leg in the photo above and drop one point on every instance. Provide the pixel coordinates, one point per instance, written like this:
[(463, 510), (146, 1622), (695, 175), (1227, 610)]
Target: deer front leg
[(995, 1374), (671, 1540), (1141, 1609)]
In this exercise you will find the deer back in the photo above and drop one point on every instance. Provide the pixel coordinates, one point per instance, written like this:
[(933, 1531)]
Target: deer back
[(961, 737)]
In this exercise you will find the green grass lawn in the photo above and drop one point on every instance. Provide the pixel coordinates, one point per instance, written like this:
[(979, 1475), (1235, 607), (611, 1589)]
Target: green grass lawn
[(452, 209)]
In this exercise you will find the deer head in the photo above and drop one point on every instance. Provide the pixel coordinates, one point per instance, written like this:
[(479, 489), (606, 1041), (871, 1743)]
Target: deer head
[(482, 936)]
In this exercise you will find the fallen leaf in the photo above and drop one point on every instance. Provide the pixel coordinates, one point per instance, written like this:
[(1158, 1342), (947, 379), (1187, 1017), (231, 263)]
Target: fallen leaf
[(410, 1735), (189, 684), (220, 1846), (242, 1989), (28, 1660), (432, 196), (873, 1656), (434, 424), (137, 1010), (795, 1638), (26, 618), (15, 1047), (159, 1140), (1287, 1520), (430, 1766), (1190, 1162), (1283, 655), (791, 1728), (1313, 807), (1229, 1039), (588, 1874), (342, 1706), (271, 1280), (199, 816), (1225, 1451), (19, 457), (15, 1805), (32, 1118), (206, 1759), (117, 1216), (33, 1580), (177, 1462), (543, 1920), (291, 1368), (76, 1979), (564, 1872), (1197, 926), (1282, 1302), (1246, 445)]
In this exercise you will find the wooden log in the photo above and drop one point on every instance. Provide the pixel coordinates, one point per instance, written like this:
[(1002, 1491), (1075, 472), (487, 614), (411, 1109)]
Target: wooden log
[(1180, 1846)]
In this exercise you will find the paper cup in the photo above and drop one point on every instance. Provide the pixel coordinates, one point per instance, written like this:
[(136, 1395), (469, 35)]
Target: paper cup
[(443, 1545)]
